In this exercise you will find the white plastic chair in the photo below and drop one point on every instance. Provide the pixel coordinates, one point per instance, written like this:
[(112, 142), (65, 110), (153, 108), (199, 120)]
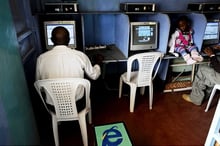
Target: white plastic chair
[(213, 134), (217, 86), (62, 92), (142, 77)]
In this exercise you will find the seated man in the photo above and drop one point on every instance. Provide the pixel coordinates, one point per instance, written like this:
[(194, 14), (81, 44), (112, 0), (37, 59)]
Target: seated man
[(64, 62), (205, 79)]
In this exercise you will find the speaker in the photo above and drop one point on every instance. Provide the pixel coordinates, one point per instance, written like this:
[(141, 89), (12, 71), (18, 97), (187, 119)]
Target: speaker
[(138, 7), (208, 7), (61, 7), (195, 7), (211, 7)]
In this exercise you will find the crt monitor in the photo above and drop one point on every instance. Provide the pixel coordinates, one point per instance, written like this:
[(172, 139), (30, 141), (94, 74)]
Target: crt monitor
[(143, 35), (211, 35), (69, 25)]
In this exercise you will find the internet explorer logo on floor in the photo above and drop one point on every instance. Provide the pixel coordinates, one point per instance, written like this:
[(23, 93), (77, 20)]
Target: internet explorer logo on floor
[(112, 135)]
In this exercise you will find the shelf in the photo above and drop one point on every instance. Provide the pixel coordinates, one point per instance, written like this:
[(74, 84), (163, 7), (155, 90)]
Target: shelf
[(101, 12), (181, 82), (178, 86), (129, 13)]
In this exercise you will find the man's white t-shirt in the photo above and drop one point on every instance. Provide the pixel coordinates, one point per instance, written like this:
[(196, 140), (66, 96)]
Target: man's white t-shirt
[(64, 62)]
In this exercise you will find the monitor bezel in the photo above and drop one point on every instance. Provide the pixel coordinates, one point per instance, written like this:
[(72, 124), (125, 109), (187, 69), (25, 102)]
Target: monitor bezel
[(60, 23), (139, 47), (212, 41)]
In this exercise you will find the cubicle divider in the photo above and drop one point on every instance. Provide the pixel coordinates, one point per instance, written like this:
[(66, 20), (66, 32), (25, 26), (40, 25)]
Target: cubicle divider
[(180, 75), (163, 35), (198, 23), (164, 26), (122, 33), (107, 29), (114, 28)]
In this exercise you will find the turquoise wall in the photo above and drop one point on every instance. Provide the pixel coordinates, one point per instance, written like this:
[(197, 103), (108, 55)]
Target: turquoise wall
[(17, 123)]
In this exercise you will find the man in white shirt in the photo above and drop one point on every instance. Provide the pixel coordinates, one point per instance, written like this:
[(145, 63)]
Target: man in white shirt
[(64, 62)]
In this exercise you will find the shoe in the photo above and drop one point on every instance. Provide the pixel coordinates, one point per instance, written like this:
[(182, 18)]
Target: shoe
[(196, 56), (188, 59), (186, 97), (216, 144), (191, 61)]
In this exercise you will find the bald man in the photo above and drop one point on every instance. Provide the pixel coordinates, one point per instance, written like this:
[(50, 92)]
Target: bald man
[(64, 62)]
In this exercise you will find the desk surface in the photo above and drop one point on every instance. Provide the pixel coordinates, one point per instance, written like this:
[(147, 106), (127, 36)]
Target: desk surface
[(111, 54)]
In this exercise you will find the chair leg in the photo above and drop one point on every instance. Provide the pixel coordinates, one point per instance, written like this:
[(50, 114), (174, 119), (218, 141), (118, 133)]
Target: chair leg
[(90, 116), (83, 128), (120, 87), (55, 130), (150, 96), (142, 90), (213, 134), (132, 97), (210, 98)]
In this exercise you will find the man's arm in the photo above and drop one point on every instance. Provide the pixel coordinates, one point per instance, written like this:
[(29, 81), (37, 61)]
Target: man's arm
[(93, 72), (214, 62)]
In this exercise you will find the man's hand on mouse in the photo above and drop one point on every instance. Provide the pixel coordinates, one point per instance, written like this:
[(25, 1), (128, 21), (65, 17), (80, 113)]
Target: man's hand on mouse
[(98, 59)]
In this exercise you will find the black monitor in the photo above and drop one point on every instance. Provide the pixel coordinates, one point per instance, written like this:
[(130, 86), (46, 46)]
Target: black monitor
[(143, 35), (211, 35), (69, 25)]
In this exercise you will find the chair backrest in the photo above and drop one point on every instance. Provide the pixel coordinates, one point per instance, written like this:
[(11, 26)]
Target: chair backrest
[(146, 63), (62, 92)]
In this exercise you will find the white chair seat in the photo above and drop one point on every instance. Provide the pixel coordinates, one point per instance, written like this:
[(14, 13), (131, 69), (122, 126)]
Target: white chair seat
[(133, 78)]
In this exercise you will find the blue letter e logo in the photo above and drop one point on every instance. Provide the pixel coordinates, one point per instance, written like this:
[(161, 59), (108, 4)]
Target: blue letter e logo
[(111, 137)]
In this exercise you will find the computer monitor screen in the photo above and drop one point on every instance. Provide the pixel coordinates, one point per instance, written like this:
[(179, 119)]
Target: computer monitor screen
[(143, 35), (69, 25), (211, 35)]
